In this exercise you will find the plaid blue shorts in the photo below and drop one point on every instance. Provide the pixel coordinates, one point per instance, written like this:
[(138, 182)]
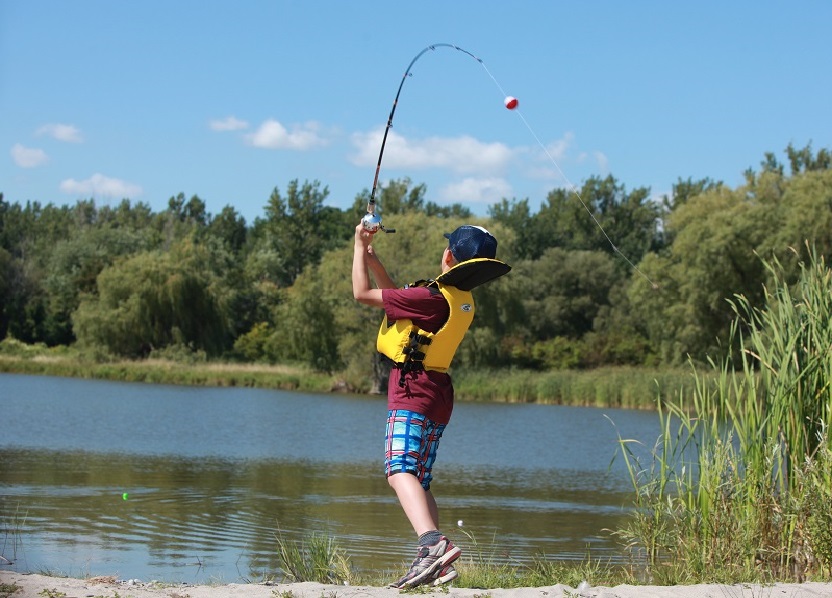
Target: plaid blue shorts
[(411, 444)]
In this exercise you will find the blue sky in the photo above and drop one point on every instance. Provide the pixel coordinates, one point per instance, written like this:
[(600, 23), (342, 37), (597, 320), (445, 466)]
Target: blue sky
[(228, 100)]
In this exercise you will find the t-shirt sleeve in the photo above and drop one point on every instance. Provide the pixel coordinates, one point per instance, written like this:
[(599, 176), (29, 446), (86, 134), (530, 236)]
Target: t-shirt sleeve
[(426, 307)]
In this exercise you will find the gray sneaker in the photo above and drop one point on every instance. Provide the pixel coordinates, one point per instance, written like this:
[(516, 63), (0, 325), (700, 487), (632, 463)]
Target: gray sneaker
[(430, 560)]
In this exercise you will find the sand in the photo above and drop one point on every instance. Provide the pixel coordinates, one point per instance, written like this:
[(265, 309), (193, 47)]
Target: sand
[(32, 585)]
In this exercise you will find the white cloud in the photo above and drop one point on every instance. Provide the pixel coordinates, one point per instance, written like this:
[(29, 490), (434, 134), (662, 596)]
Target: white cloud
[(557, 149), (603, 161), (273, 135), (28, 157), (560, 156), (99, 185), (463, 154), (488, 190), (230, 123), (68, 133)]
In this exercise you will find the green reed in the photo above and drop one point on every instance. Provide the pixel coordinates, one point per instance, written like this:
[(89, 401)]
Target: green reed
[(626, 387), (740, 480)]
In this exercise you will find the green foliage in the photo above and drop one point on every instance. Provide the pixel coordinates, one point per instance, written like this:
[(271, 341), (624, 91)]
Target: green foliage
[(279, 290), (153, 300), (253, 346), (73, 269), (563, 291), (398, 197), (7, 273), (298, 229), (294, 339), (719, 238), (568, 221), (739, 484), (12, 347)]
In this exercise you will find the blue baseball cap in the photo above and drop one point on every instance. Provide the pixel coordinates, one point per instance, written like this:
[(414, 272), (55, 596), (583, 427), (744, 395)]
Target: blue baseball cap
[(468, 242)]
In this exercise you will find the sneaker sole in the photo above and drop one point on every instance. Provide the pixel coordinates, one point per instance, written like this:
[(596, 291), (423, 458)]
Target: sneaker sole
[(450, 576)]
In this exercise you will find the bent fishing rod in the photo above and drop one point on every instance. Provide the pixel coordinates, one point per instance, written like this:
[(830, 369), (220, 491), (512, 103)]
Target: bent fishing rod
[(372, 221)]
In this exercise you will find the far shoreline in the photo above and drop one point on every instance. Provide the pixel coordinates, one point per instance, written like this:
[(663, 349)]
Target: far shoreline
[(610, 387)]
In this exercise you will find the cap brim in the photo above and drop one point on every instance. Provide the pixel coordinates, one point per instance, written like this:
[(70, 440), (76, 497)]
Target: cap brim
[(448, 235)]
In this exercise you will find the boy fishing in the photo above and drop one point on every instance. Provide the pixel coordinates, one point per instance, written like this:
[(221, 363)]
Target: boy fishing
[(423, 326)]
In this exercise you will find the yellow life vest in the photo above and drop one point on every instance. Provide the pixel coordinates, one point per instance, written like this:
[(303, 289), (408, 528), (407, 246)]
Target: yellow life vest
[(404, 342)]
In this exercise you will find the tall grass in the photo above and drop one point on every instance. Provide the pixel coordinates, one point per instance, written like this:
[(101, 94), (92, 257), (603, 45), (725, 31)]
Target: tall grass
[(627, 387), (739, 484)]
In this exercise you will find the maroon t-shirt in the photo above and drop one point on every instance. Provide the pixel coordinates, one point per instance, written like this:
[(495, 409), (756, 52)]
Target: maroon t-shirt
[(427, 392)]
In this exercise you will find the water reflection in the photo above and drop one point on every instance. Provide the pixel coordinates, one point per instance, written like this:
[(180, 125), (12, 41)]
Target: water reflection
[(213, 474)]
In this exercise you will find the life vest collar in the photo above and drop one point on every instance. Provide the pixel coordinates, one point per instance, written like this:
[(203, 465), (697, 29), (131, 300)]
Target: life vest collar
[(470, 274)]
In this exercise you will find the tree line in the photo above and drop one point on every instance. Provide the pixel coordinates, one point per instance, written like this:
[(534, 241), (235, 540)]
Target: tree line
[(124, 281)]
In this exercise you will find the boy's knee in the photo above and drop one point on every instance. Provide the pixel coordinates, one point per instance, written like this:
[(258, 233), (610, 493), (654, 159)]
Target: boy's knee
[(393, 478), (402, 478)]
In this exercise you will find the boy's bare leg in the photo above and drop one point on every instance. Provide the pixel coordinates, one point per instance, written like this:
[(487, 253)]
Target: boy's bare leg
[(418, 504)]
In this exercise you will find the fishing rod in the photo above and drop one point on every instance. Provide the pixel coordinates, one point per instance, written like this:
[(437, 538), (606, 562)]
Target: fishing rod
[(372, 220)]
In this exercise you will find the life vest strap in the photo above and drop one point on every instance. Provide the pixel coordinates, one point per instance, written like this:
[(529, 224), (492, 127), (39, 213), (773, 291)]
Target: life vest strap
[(414, 355)]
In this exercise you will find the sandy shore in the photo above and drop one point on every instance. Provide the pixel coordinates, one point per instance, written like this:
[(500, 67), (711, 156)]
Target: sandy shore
[(108, 587)]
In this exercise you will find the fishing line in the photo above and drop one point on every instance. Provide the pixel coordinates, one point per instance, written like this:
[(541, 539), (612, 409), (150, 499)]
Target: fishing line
[(372, 221), (577, 194)]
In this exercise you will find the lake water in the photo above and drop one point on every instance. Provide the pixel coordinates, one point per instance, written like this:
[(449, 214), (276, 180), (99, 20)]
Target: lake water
[(195, 484)]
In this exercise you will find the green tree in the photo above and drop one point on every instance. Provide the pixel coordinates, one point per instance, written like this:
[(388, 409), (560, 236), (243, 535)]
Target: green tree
[(229, 227), (720, 239), (803, 160), (574, 220), (682, 192), (153, 300), (564, 291), (303, 330), (399, 197), (517, 217), (6, 276), (29, 233), (712, 257), (298, 229)]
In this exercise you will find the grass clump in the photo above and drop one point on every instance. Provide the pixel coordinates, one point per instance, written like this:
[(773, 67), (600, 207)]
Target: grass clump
[(7, 589), (319, 559), (739, 483)]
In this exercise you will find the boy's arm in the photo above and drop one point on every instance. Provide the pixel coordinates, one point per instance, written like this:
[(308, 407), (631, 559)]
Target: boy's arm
[(379, 272), (364, 260)]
